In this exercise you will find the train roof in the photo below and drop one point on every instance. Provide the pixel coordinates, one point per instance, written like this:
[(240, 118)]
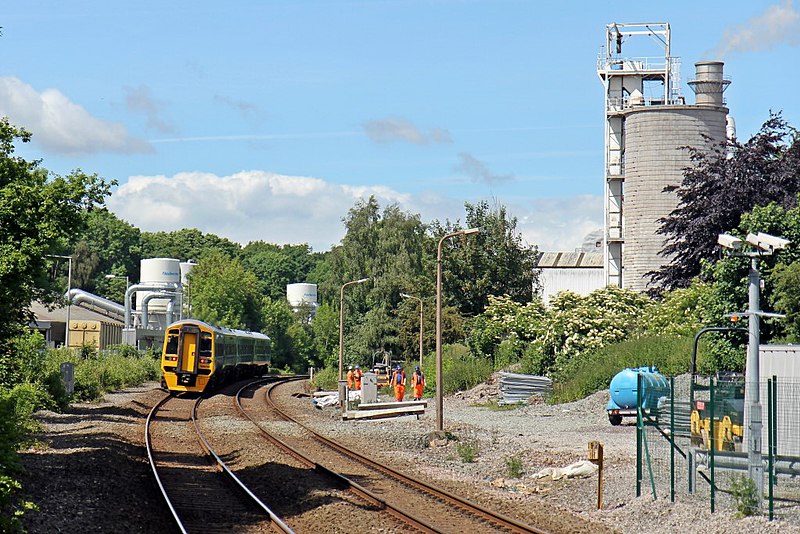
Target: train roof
[(220, 329)]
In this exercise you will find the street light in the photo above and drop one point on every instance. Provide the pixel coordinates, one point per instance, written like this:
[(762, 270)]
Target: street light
[(405, 296), (439, 403), (341, 321), (127, 281), (69, 297), (761, 245)]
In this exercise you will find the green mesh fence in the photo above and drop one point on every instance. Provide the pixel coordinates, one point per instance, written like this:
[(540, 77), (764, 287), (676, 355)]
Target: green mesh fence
[(693, 445)]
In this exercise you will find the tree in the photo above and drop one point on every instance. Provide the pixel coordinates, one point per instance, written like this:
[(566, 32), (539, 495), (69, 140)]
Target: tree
[(718, 189), (390, 248), (224, 293), (495, 261), (116, 244), (38, 214), (185, 244), (276, 266)]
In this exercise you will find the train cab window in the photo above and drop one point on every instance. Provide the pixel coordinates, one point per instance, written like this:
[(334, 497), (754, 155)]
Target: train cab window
[(205, 344), (172, 342)]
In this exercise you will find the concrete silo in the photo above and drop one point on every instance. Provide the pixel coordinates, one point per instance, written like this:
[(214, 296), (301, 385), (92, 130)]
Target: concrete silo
[(647, 124)]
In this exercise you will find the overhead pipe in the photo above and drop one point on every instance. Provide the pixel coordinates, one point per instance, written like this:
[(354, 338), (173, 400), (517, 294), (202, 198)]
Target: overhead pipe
[(171, 295), (150, 286), (79, 296)]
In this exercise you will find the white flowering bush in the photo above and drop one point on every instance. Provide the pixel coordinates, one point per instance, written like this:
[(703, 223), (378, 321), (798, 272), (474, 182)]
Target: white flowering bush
[(575, 323)]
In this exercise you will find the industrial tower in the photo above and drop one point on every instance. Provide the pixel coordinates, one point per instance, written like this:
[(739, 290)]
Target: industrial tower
[(647, 124)]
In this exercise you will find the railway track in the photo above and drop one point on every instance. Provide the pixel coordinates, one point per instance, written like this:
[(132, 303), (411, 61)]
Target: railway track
[(201, 492), (419, 505)]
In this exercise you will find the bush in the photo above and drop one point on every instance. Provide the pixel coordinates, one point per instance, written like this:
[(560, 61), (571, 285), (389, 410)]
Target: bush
[(744, 492), (461, 370), (591, 372), (327, 379)]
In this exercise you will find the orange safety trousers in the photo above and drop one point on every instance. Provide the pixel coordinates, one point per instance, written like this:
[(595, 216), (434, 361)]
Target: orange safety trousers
[(399, 392)]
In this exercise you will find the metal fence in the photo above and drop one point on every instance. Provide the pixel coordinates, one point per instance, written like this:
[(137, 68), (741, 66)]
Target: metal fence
[(695, 444)]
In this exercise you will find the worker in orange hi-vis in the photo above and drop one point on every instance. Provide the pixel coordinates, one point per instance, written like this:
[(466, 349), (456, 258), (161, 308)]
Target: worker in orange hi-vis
[(399, 383), (417, 383), (350, 377), (357, 374)]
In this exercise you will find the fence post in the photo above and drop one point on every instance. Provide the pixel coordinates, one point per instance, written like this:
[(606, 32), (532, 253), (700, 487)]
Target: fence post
[(639, 431), (770, 444), (712, 443), (672, 439)]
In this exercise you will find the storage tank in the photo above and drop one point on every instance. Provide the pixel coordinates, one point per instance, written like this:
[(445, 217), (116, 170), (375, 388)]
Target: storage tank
[(623, 392), (302, 294), (654, 159), (157, 270), (186, 267)]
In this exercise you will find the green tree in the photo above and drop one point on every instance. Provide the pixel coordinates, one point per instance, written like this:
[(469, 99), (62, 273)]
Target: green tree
[(718, 189), (496, 261), (117, 246), (185, 244), (38, 214), (390, 248), (224, 293), (276, 266)]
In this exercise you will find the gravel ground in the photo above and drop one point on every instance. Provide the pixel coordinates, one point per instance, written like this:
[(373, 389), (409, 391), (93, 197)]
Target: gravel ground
[(90, 474)]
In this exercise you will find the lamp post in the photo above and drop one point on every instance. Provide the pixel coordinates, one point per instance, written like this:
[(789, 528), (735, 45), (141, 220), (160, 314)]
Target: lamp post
[(761, 245), (439, 403), (127, 281), (69, 297), (341, 321), (405, 296)]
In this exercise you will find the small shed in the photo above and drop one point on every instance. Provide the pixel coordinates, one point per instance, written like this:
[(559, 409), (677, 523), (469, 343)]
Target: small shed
[(580, 272)]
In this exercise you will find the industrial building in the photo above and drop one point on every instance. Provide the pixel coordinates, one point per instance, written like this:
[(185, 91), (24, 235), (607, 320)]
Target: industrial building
[(647, 127)]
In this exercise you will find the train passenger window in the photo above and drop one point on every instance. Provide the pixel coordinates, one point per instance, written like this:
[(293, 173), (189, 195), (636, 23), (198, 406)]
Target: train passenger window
[(172, 343), (205, 344)]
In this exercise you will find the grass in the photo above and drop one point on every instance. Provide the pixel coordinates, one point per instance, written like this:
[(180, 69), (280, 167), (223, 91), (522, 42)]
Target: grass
[(468, 450), (514, 467), (591, 372)]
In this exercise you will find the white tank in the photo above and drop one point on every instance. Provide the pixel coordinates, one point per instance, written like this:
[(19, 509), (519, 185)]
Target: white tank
[(186, 268), (157, 270), (299, 294)]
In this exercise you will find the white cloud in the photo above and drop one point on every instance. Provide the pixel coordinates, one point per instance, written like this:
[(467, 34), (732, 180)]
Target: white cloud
[(258, 205), (61, 126), (398, 129), (140, 100), (246, 206)]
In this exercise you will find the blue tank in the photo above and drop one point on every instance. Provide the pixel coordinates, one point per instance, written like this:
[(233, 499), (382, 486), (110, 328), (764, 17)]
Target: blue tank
[(623, 394)]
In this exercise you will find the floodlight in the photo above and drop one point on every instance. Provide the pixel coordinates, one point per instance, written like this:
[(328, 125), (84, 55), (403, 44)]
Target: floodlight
[(730, 241)]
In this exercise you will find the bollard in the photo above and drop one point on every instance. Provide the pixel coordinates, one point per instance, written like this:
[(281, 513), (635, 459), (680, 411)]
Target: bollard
[(68, 377), (596, 457), (343, 396)]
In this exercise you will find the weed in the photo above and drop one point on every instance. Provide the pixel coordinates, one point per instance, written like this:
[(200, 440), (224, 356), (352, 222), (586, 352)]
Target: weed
[(744, 492), (468, 450), (514, 467)]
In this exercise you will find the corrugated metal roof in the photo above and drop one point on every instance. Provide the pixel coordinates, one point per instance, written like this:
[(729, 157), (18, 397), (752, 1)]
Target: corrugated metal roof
[(76, 313), (571, 260)]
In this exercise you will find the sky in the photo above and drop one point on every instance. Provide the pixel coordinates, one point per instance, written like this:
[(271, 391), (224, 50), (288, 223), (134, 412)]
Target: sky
[(268, 120)]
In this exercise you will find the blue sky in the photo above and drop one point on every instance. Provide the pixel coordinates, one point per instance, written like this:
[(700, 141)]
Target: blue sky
[(269, 119)]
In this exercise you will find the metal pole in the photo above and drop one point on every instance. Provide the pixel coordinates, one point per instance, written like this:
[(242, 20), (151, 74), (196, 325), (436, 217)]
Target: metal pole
[(672, 439), (341, 322), (439, 401), (69, 301), (770, 444), (439, 417), (755, 468), (713, 442)]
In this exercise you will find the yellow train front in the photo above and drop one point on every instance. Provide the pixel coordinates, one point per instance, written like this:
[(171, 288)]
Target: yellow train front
[(197, 356)]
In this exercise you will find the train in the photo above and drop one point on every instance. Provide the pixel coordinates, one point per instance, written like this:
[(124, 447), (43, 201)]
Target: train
[(197, 356)]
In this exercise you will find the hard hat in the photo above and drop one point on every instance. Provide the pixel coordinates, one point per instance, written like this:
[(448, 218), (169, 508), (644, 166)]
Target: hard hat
[(416, 368), (358, 367), (399, 367), (349, 366)]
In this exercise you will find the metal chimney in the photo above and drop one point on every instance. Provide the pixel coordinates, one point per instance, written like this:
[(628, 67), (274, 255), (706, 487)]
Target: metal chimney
[(709, 83)]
